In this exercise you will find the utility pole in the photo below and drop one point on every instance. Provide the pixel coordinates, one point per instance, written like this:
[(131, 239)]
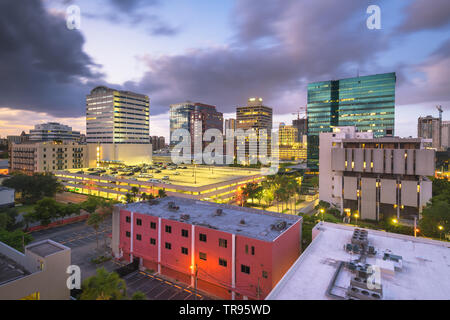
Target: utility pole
[(195, 281), (415, 227)]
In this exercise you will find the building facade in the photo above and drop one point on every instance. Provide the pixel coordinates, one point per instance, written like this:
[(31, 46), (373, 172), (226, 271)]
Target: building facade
[(119, 117), (54, 131), (289, 146), (445, 135), (377, 177), (47, 156), (259, 119), (430, 128), (38, 274), (158, 143), (366, 102), (196, 118), (228, 251)]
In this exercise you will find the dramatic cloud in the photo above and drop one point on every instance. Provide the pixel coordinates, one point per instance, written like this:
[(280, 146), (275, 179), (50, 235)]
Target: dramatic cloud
[(278, 48), (42, 63), (425, 15)]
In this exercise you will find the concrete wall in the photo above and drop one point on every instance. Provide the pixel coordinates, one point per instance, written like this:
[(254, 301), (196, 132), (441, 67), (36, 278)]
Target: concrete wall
[(6, 196), (368, 198), (130, 154)]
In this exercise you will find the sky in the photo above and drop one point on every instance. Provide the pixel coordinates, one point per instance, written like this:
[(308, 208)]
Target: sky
[(216, 52)]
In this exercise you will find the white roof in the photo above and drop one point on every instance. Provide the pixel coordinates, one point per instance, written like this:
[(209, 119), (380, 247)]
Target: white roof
[(425, 273)]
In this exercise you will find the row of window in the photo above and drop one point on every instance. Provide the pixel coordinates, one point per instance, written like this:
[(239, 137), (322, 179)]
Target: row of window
[(185, 233)]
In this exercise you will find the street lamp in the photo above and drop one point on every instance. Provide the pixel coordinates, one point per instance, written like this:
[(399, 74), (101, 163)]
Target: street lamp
[(440, 233), (322, 211), (356, 215)]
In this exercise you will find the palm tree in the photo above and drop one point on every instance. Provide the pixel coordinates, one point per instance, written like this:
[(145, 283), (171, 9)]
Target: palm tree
[(104, 285), (129, 198), (134, 191)]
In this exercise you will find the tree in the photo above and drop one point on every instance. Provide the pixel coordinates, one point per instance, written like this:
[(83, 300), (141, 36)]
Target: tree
[(162, 193), (138, 295), (435, 214), (46, 210), (35, 187), (134, 191), (16, 239), (129, 198), (94, 221), (8, 219), (103, 285)]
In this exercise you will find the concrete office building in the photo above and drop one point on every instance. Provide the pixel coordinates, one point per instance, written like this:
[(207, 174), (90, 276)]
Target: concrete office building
[(230, 124), (329, 268), (302, 127), (366, 102), (259, 118), (37, 274), (24, 137), (53, 131), (47, 156), (230, 252), (117, 127), (378, 177), (430, 128)]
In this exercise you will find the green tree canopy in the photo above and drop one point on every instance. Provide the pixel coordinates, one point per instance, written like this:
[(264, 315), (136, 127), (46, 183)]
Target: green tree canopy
[(103, 285)]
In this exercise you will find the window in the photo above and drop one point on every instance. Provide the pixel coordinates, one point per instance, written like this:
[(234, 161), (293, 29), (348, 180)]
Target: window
[(152, 241), (168, 229), (168, 246), (184, 233), (202, 237), (184, 250), (138, 237), (127, 234), (253, 250), (139, 222), (264, 274), (245, 269), (128, 219), (152, 225), (223, 243), (222, 262), (202, 256)]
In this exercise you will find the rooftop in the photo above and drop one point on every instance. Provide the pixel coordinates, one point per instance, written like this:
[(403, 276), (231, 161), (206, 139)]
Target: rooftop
[(425, 272), (45, 248), (10, 270), (257, 224)]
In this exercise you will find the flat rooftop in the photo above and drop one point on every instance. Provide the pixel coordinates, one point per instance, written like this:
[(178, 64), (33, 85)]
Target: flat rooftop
[(10, 270), (258, 224), (45, 248), (425, 274)]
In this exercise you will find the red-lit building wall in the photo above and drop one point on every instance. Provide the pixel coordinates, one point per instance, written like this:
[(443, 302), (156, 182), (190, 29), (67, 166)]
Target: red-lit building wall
[(267, 260)]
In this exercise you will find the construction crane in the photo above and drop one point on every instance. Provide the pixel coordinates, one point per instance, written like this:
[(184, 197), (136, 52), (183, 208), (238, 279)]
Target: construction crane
[(301, 111), (439, 108)]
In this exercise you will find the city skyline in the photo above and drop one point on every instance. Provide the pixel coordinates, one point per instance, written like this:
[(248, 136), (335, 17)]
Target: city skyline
[(171, 60)]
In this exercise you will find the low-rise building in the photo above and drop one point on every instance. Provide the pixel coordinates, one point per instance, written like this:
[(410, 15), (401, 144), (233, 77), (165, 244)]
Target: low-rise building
[(344, 262), (47, 156), (6, 197), (376, 177), (227, 251), (37, 274), (52, 131)]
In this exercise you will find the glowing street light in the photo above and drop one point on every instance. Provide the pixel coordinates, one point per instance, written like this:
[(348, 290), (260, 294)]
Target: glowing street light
[(394, 221), (356, 215), (441, 228), (322, 211)]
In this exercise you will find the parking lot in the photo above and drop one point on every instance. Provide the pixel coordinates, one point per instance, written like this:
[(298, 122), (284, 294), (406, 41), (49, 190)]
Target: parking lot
[(81, 239)]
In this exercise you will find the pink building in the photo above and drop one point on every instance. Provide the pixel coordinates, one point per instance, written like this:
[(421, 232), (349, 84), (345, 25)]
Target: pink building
[(236, 253)]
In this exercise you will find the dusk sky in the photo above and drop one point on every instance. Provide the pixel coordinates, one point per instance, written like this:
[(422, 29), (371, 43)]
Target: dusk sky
[(216, 52)]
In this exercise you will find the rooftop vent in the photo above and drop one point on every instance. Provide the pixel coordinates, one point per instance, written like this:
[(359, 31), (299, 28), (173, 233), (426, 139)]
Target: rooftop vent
[(242, 221), (173, 206), (219, 212), (185, 217), (279, 226)]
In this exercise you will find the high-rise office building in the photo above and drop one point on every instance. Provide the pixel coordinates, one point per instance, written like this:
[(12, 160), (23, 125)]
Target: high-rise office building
[(445, 134), (230, 124), (158, 143), (52, 131), (289, 146), (196, 118), (302, 127), (429, 128), (119, 117), (258, 117), (117, 127), (367, 102)]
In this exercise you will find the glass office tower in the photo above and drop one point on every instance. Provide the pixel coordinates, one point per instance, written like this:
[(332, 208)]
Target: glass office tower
[(366, 102)]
